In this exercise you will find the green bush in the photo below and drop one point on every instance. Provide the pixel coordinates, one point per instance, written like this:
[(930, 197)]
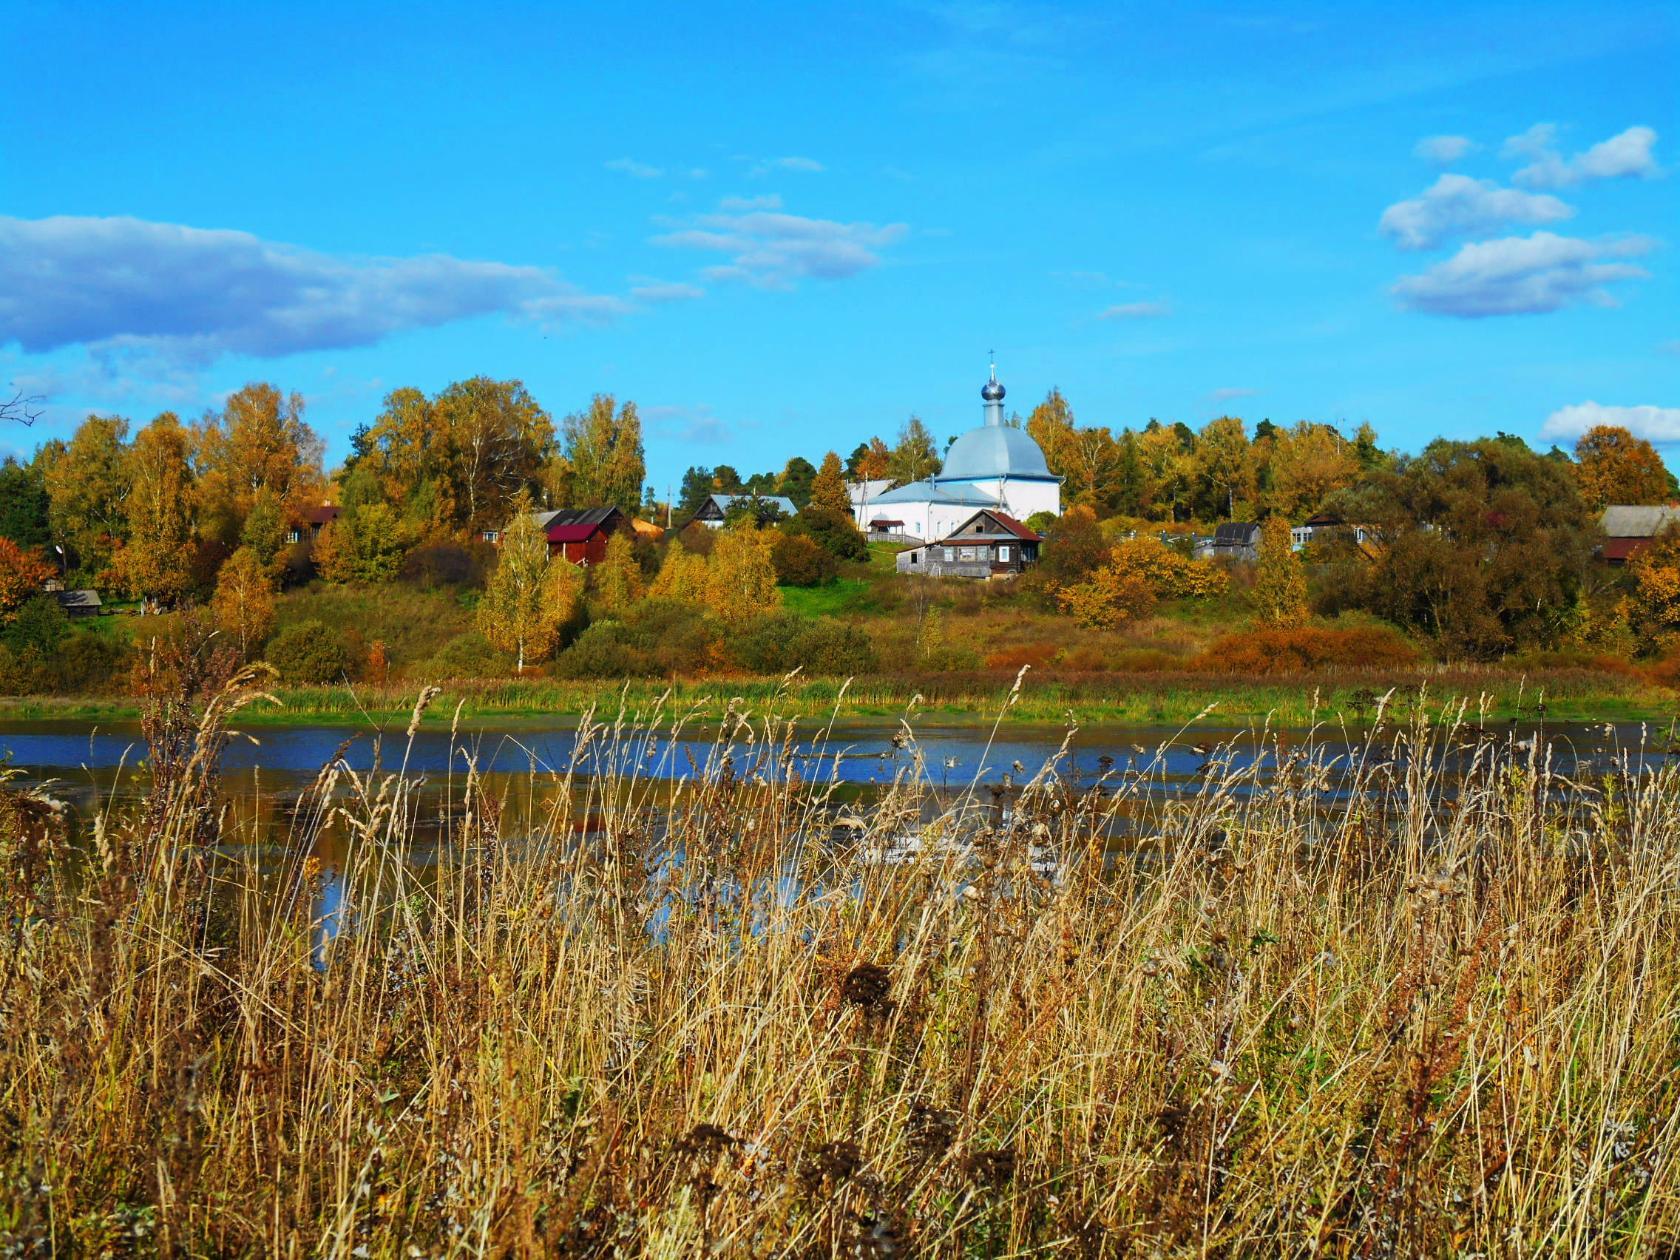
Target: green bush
[(37, 628), (312, 652), (779, 642), (468, 655), (606, 649), (801, 562), (833, 531)]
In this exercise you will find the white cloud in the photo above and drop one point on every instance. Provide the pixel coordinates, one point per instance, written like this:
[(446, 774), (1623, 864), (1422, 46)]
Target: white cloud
[(1137, 310), (1538, 140), (769, 201), (1654, 424), (798, 165), (1627, 154), (773, 249), (125, 286), (1230, 391), (665, 291), (633, 168), (1456, 205), (1443, 149), (1517, 275)]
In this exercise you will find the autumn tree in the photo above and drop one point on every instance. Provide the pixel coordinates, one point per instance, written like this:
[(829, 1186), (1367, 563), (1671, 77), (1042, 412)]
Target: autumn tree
[(156, 562), (243, 604), (529, 596), (603, 448), (618, 578), (1280, 580), (1088, 460), (871, 461), (1614, 466), (1167, 462), (258, 442), (915, 456), (366, 544), (828, 488), (87, 484), (23, 571), (1225, 469), (1307, 463), (683, 577), (742, 575), (1656, 589), (264, 529), (1483, 545)]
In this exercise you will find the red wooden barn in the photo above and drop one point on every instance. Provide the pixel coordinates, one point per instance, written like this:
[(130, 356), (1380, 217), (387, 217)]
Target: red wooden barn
[(581, 534)]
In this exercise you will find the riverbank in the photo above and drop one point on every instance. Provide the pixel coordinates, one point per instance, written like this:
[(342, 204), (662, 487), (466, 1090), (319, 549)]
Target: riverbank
[(1568, 694)]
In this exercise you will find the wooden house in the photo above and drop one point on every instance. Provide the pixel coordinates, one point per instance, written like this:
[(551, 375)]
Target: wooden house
[(989, 544), (581, 534), (306, 527), (714, 508), (1629, 529)]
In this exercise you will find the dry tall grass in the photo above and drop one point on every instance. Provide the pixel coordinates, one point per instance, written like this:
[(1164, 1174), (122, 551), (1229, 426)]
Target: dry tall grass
[(1423, 1016)]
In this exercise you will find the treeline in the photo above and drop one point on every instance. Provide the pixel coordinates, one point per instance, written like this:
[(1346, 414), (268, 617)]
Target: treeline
[(155, 515)]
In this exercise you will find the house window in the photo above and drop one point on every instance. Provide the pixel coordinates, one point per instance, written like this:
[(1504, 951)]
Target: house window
[(914, 557), (1003, 553), (492, 535), (950, 554), (968, 553), (294, 535)]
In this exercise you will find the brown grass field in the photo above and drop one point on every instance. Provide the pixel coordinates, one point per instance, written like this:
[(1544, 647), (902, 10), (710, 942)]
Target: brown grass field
[(1423, 1015)]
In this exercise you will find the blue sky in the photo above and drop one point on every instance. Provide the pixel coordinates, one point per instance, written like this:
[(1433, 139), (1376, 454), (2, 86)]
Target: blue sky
[(782, 228)]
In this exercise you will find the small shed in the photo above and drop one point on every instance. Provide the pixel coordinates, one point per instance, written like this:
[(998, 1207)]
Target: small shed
[(78, 604)]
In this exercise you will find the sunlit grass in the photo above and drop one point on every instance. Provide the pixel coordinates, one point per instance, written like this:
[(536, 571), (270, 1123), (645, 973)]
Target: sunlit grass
[(1308, 1009)]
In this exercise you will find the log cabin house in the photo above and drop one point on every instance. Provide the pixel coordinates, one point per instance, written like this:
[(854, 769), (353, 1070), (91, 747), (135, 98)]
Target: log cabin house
[(989, 544)]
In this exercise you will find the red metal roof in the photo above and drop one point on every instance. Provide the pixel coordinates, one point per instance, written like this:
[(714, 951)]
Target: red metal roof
[(1014, 527), (322, 515), (573, 533)]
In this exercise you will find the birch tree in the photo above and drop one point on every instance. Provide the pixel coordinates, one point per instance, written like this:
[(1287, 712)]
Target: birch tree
[(529, 596)]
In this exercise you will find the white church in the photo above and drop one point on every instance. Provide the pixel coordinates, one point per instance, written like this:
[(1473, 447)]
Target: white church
[(992, 467)]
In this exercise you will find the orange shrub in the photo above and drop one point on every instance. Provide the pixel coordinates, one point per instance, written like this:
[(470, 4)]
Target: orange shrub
[(1302, 649), (1038, 655)]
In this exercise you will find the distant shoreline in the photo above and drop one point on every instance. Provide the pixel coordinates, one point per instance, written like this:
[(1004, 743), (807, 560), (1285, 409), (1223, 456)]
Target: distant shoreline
[(1561, 695)]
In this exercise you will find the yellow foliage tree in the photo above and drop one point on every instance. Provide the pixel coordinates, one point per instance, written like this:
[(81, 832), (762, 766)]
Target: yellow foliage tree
[(529, 596), (1280, 580), (1656, 588), (618, 578), (743, 578), (156, 562), (683, 577), (1614, 466), (1138, 573), (828, 489), (244, 600)]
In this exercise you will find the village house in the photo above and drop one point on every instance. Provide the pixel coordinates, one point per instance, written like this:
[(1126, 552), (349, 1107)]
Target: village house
[(989, 544), (1325, 527), (714, 508), (307, 526), (1629, 529), (581, 534), (1234, 540)]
